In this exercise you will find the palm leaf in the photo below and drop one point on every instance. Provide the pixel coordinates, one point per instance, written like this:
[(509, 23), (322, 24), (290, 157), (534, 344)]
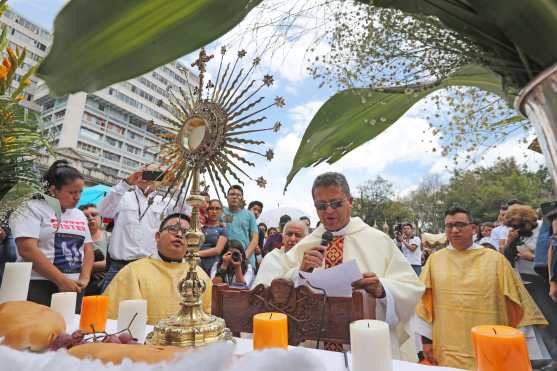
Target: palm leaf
[(353, 117), (98, 43)]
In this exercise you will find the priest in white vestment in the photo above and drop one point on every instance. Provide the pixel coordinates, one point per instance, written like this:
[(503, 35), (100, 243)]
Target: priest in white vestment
[(386, 273)]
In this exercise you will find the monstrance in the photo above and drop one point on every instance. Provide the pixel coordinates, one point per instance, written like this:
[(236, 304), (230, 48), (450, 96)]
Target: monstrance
[(206, 139)]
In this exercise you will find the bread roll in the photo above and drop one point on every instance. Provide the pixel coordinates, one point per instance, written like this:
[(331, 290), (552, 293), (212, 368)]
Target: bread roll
[(116, 353), (27, 325)]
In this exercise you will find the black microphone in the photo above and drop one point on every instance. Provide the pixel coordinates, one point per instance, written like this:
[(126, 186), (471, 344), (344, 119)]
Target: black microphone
[(326, 239)]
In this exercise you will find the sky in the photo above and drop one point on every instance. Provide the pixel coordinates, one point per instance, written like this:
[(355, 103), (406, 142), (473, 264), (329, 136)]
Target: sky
[(402, 153)]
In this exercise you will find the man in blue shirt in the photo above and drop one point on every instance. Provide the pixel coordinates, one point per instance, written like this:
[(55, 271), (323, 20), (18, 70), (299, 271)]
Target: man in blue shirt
[(240, 223)]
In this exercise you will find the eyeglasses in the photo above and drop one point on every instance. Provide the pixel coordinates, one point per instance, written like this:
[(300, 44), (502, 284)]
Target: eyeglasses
[(334, 204), (214, 208), (458, 225), (174, 229)]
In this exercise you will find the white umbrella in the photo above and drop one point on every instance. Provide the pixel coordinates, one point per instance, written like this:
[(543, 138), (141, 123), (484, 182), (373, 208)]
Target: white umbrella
[(271, 217)]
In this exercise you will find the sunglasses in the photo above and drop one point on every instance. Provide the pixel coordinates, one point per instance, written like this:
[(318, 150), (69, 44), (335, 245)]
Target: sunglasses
[(334, 204)]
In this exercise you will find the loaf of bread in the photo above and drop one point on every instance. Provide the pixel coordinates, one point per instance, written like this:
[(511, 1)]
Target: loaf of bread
[(116, 353), (27, 325)]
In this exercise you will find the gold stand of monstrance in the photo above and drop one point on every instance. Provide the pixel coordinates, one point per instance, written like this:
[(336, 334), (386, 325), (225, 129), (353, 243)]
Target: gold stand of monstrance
[(205, 138)]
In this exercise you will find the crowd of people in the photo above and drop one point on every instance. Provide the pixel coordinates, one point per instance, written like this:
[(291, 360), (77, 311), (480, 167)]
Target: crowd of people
[(502, 272)]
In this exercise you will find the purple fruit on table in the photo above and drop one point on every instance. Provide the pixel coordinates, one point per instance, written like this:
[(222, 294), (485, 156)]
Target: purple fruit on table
[(62, 341), (112, 339), (126, 338)]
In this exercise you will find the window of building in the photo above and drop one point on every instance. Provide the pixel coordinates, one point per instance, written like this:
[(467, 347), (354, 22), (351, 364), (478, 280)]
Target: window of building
[(90, 134), (59, 115), (115, 128), (113, 142), (111, 156), (132, 149), (88, 148), (109, 170), (131, 163)]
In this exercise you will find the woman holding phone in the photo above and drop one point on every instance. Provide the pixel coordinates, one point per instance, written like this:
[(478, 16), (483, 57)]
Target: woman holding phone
[(137, 210)]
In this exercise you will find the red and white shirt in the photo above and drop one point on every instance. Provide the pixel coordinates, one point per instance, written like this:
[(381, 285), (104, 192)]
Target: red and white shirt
[(60, 241)]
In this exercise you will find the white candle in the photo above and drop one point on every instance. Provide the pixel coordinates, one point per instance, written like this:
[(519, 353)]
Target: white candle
[(64, 303), (15, 282), (126, 310), (370, 343)]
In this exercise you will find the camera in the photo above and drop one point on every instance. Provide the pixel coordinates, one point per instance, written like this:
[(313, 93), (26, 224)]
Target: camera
[(236, 256)]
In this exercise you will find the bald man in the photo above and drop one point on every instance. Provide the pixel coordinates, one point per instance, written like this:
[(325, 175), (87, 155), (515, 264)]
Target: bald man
[(272, 265)]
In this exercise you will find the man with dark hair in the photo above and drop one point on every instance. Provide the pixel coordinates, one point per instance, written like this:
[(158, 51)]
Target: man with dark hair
[(468, 285), (411, 247), (256, 207), (306, 220), (386, 274), (154, 278), (240, 223)]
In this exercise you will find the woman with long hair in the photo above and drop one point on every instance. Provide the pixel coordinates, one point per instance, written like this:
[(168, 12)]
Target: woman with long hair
[(215, 236), (232, 267), (61, 250)]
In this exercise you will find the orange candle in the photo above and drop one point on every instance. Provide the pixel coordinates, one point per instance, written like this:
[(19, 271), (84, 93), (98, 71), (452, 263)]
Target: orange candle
[(94, 312), (270, 330), (500, 348)]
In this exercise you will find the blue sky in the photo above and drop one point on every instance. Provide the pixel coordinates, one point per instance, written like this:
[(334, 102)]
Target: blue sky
[(403, 153)]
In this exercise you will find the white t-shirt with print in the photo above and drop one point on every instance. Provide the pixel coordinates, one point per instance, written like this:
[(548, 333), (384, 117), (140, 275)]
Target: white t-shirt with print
[(62, 246), (413, 257)]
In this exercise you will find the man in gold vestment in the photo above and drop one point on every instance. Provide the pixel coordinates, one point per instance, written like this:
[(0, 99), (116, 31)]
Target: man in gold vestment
[(468, 285), (155, 278)]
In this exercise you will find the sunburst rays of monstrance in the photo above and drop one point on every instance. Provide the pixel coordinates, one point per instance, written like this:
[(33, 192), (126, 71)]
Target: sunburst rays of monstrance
[(205, 139)]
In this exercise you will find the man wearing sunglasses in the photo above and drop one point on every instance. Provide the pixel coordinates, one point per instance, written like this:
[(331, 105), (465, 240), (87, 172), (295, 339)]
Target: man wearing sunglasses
[(468, 285), (387, 275), (273, 263), (155, 278)]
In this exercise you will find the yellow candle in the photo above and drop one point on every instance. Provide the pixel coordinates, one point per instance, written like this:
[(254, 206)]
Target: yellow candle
[(94, 312), (500, 348), (270, 330)]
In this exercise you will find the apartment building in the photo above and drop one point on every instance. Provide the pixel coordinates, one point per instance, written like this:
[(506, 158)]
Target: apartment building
[(109, 129)]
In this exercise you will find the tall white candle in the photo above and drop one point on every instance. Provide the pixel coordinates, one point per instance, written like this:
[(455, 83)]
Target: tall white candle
[(126, 310), (15, 282), (371, 346), (64, 303)]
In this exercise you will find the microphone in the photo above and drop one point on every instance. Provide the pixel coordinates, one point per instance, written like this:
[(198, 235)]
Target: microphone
[(326, 239)]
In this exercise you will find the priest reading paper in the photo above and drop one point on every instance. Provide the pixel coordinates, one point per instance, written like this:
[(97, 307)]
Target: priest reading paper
[(468, 285), (156, 277), (387, 275)]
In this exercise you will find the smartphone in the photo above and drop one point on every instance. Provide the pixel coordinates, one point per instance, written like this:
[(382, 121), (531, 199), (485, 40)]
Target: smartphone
[(152, 175)]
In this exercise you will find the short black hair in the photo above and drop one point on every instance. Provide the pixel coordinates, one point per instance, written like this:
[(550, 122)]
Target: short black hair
[(255, 203), (262, 224), (235, 186), (408, 224), (459, 210), (172, 216), (331, 179), (86, 206), (305, 218)]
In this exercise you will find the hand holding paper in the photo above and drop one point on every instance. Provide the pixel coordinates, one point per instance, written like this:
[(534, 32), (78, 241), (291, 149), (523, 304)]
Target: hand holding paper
[(336, 281)]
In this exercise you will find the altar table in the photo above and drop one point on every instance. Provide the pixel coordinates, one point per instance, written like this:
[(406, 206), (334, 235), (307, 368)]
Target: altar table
[(332, 361)]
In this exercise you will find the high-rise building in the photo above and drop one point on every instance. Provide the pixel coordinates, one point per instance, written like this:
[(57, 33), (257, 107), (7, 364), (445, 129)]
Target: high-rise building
[(22, 33), (107, 134)]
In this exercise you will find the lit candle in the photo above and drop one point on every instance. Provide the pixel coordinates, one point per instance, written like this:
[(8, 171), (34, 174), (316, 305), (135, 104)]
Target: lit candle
[(500, 348), (94, 313), (127, 309), (64, 303), (370, 343), (15, 282), (270, 330)]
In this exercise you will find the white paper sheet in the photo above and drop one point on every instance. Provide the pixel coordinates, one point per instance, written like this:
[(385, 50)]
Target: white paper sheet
[(336, 281)]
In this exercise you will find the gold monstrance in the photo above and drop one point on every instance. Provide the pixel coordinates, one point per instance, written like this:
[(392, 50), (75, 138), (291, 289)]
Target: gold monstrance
[(204, 140)]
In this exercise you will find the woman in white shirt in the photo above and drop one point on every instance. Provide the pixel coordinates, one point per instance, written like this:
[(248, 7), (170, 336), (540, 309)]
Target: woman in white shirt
[(61, 250)]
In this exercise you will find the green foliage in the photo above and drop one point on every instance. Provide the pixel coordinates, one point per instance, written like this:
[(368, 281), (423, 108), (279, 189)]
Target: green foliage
[(484, 189), (98, 43), (374, 203), (355, 116)]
